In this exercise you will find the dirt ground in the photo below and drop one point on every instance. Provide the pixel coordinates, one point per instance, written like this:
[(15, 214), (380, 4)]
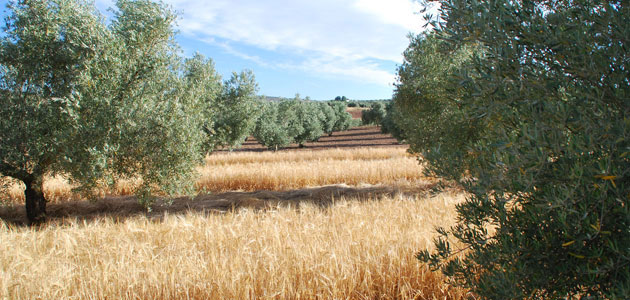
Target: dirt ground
[(364, 136)]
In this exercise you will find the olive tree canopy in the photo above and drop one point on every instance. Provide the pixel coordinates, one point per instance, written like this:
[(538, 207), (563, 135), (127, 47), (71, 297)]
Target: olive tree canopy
[(534, 126), (95, 102)]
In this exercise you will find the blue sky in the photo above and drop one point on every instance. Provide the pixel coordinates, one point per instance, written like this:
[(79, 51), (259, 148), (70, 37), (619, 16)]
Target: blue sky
[(321, 48)]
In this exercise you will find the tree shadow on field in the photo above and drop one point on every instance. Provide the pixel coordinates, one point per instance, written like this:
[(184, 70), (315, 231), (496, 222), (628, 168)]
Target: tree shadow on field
[(120, 208)]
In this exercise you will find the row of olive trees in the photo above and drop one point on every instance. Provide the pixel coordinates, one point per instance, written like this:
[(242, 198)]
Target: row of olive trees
[(97, 102), (388, 117), (298, 121), (526, 105)]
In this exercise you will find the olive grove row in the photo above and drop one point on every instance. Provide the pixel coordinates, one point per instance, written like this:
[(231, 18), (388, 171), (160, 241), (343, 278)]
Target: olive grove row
[(98, 101)]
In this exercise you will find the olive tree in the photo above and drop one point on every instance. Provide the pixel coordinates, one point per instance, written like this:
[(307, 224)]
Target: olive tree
[(309, 116), (343, 117), (389, 123), (235, 111), (270, 129), (94, 102), (374, 115), (328, 117), (546, 101), (429, 102), (203, 83), (289, 117)]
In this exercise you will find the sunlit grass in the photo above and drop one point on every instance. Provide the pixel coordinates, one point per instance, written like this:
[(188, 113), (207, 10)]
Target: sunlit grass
[(349, 250), (249, 171), (263, 245), (297, 169)]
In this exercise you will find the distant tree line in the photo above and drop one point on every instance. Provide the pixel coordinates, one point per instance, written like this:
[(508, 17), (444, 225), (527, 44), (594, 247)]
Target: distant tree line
[(299, 121)]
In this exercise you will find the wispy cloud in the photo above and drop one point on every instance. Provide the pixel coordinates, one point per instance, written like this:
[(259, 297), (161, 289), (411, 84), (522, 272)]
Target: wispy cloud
[(335, 37), (362, 71), (227, 47)]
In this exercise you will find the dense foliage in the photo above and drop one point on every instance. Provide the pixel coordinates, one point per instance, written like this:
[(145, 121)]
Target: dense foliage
[(310, 117), (343, 118), (328, 118), (234, 111), (270, 130), (530, 114), (430, 99), (99, 102), (391, 120), (298, 121), (374, 115)]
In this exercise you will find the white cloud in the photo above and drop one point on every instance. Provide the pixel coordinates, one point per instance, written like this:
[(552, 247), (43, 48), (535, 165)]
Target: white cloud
[(399, 12), (229, 49), (331, 36), (358, 70)]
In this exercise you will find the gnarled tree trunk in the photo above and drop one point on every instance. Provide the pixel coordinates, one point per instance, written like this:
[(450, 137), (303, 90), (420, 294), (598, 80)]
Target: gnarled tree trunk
[(35, 201)]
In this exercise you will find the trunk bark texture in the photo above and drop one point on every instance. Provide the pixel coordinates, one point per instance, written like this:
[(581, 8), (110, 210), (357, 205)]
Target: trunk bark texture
[(35, 202)]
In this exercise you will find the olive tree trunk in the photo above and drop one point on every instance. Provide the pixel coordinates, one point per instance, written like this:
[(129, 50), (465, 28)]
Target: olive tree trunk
[(35, 201)]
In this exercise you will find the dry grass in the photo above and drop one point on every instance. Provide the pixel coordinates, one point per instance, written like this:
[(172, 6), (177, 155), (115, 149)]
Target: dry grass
[(289, 242), (365, 153), (250, 171), (348, 250), (356, 112), (297, 169), (58, 190)]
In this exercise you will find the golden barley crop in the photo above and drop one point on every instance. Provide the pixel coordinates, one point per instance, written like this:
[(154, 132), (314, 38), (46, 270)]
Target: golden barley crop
[(346, 243), (365, 153), (297, 169), (249, 171), (348, 250)]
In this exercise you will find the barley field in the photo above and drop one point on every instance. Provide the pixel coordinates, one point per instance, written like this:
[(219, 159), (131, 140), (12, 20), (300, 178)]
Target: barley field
[(328, 224), (297, 169), (251, 171)]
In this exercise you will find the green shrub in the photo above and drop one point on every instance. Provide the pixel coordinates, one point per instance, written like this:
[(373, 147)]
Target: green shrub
[(373, 116), (270, 131), (389, 125), (310, 117), (343, 118), (530, 115), (328, 117), (354, 123), (234, 111)]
